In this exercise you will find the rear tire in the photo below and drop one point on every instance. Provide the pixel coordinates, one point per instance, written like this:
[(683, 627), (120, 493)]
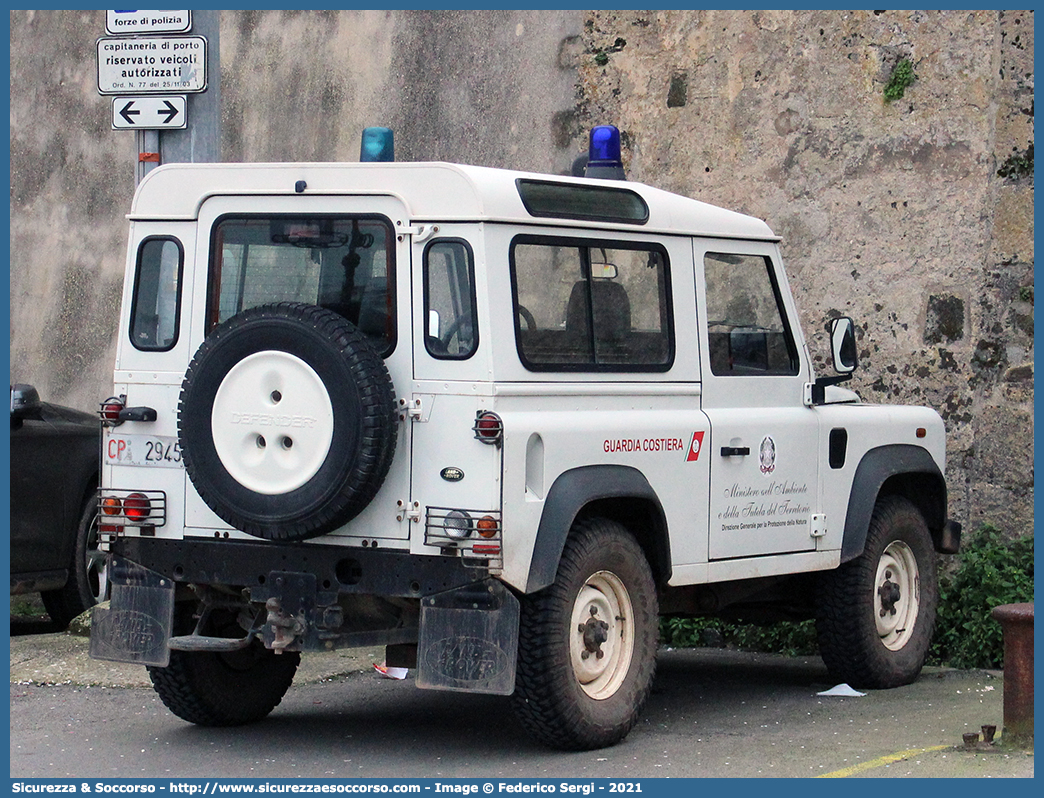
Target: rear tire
[(876, 613), (226, 689), (587, 643)]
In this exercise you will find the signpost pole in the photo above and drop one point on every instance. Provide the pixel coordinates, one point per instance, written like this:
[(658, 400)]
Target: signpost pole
[(200, 141), (148, 153)]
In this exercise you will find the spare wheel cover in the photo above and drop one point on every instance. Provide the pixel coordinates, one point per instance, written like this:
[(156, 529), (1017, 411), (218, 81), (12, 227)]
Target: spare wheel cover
[(287, 421), (272, 422)]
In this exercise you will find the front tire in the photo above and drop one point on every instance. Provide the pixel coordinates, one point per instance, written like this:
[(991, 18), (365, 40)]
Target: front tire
[(876, 613), (223, 689), (587, 643)]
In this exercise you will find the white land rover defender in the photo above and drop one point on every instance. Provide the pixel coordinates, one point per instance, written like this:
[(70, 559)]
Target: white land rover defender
[(499, 422)]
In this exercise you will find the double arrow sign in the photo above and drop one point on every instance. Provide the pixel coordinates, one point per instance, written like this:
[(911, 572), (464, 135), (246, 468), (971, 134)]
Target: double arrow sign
[(149, 113)]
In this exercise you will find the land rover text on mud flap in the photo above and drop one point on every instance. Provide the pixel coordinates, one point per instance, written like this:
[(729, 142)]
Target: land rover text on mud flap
[(498, 422)]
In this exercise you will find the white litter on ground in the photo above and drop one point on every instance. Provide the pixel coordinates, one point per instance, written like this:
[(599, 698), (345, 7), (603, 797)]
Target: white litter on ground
[(390, 673), (842, 690)]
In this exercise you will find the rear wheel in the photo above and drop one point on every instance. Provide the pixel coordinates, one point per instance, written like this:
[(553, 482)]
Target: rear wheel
[(876, 613), (587, 643), (223, 689)]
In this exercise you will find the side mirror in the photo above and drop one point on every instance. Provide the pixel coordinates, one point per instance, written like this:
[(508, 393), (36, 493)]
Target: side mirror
[(843, 344), (843, 351), (25, 401)]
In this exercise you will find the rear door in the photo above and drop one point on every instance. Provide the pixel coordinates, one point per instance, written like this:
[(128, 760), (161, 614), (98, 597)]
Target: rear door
[(763, 440), (342, 253)]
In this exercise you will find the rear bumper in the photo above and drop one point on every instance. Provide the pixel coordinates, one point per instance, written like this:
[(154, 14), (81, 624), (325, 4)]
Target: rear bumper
[(337, 569)]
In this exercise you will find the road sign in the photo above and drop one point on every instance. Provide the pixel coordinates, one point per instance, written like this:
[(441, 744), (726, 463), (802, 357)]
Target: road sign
[(135, 22), (152, 65), (149, 113)]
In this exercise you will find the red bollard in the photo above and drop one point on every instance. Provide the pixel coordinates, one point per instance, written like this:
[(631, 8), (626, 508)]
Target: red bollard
[(1017, 623)]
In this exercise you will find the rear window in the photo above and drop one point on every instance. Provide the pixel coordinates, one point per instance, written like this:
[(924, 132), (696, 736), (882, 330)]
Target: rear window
[(343, 263), (157, 294), (449, 300), (583, 305)]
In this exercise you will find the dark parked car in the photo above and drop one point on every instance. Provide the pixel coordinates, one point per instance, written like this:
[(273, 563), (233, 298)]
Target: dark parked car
[(55, 457)]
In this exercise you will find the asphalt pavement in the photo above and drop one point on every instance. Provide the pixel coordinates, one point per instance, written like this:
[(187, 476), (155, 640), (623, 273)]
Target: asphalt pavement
[(712, 713)]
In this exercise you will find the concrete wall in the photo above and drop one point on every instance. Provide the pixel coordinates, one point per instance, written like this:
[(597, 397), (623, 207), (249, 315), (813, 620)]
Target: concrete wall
[(494, 88), (914, 216), (71, 183)]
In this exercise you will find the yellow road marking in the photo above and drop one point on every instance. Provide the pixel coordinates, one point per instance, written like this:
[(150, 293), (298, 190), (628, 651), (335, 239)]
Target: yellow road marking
[(880, 762)]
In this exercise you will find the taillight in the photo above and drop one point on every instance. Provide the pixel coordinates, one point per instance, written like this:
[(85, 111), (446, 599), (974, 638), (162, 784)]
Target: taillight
[(119, 508), (111, 505), (488, 526), (137, 507), (488, 427), (110, 410)]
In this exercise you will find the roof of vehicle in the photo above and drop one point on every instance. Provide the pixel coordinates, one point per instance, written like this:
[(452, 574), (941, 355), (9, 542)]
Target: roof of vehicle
[(432, 192)]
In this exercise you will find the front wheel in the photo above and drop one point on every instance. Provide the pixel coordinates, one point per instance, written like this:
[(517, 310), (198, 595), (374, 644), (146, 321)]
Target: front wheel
[(587, 643), (876, 613)]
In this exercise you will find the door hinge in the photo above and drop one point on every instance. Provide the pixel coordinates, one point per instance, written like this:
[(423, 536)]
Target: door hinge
[(418, 408), (411, 511), (420, 232), (819, 525)]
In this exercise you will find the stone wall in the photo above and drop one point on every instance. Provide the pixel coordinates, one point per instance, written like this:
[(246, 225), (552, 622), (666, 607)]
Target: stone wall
[(913, 215)]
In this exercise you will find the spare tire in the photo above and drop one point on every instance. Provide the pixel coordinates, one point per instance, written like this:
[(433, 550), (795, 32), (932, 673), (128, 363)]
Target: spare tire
[(287, 421)]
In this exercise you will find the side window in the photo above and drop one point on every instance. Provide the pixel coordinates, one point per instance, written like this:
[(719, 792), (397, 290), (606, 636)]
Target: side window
[(449, 300), (591, 305), (157, 295), (746, 325), (343, 264)]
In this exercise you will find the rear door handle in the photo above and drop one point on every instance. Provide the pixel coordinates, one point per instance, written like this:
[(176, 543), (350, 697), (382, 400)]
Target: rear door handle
[(735, 451)]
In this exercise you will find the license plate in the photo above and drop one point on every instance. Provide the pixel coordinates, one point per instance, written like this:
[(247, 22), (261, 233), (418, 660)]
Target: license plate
[(143, 450)]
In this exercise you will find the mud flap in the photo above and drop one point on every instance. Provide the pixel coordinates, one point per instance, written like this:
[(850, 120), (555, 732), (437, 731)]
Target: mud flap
[(469, 639), (138, 622)]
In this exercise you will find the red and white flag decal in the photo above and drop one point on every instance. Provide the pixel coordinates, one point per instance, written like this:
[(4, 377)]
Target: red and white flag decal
[(694, 447)]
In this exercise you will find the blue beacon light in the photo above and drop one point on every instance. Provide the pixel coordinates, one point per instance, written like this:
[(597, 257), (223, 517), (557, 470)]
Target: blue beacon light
[(378, 145), (604, 159)]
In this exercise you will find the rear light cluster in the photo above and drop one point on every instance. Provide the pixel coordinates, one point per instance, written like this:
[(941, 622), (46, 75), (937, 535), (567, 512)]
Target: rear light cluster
[(110, 410), (474, 533), (489, 428), (118, 508)]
